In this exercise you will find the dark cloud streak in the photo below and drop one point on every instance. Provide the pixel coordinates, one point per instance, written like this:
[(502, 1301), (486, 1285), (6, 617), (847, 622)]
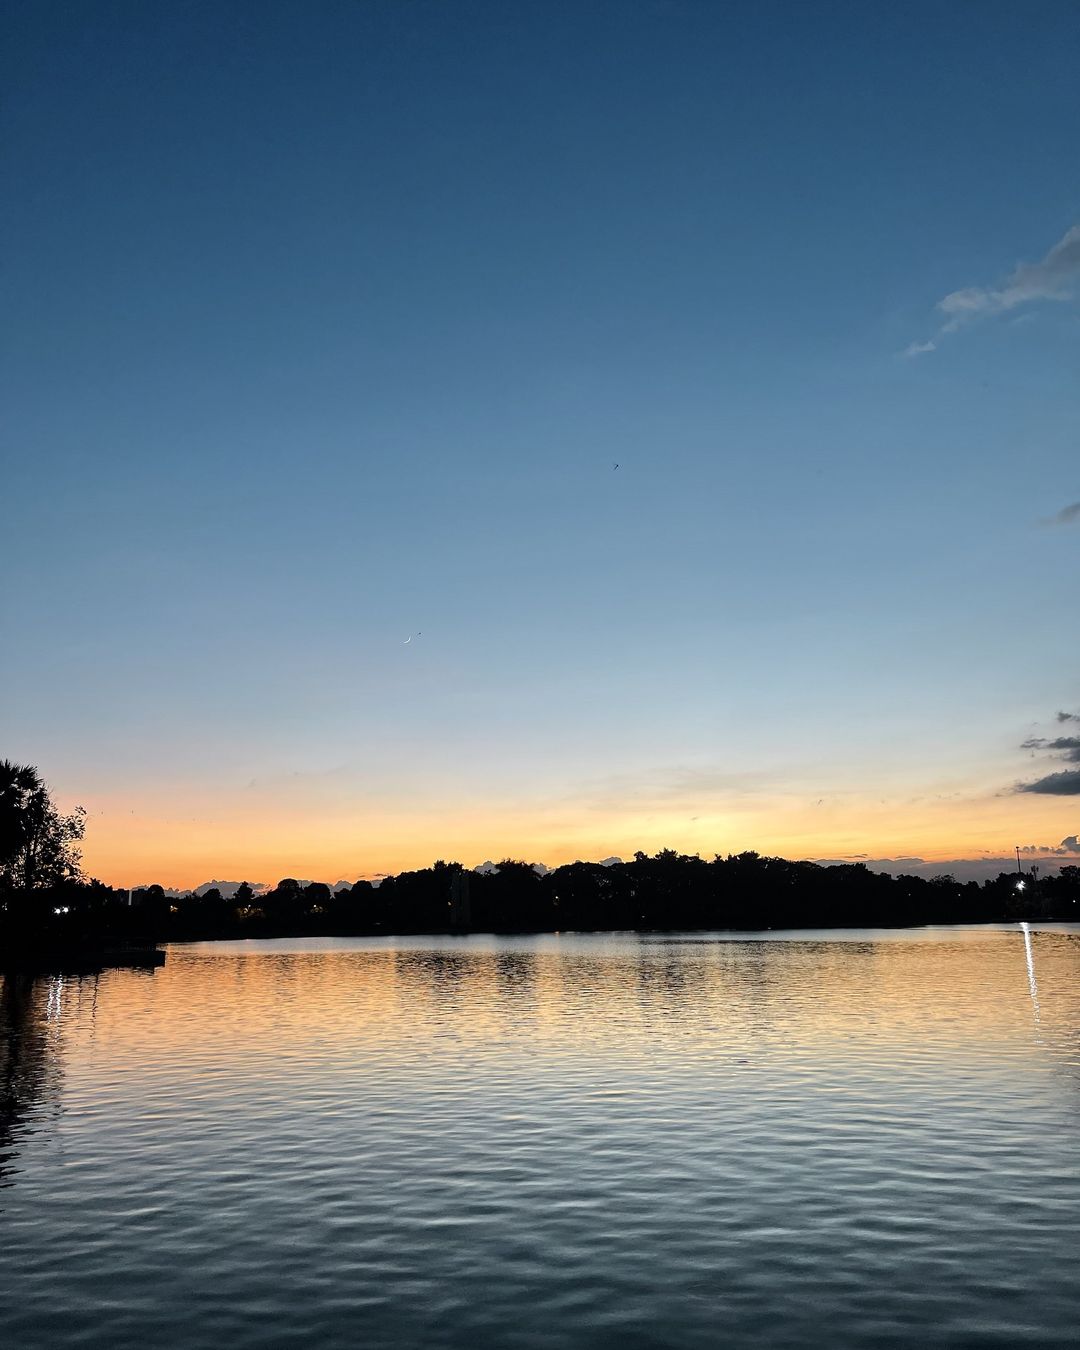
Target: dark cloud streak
[(1068, 847), (1064, 784), (1067, 746)]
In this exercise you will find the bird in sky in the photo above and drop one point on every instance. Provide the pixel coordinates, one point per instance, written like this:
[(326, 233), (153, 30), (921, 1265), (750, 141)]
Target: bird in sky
[(615, 465)]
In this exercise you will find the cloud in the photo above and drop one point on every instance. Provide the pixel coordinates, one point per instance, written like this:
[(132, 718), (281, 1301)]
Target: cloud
[(1069, 846), (1050, 279), (1067, 746), (1064, 784), (660, 788), (963, 869), (1068, 515), (875, 864), (1053, 277)]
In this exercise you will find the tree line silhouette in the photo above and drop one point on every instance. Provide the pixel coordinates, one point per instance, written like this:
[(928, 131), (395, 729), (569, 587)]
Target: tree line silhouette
[(45, 898)]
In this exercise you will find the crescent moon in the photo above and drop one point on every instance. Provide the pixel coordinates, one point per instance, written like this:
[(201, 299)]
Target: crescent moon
[(406, 642)]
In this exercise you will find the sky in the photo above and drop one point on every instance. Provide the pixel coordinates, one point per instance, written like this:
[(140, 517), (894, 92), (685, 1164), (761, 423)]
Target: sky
[(327, 325)]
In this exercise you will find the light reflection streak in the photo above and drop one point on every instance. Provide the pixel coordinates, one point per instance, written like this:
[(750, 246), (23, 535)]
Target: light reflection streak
[(1031, 971)]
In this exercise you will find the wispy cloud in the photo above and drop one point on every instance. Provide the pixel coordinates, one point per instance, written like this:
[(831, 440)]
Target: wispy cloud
[(1053, 277), (664, 787), (1067, 746), (1068, 515), (1067, 717)]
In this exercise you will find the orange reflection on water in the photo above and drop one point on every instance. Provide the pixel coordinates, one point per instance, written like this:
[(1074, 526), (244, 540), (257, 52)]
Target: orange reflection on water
[(851, 998)]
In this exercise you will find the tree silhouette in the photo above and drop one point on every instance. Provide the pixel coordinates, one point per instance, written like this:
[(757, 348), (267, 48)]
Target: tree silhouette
[(45, 903), (18, 783), (37, 843)]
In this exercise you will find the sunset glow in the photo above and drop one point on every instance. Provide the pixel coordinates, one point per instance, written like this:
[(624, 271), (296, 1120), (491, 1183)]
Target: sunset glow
[(294, 837)]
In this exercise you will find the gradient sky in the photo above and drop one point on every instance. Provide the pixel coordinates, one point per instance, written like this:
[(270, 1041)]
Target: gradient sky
[(326, 323)]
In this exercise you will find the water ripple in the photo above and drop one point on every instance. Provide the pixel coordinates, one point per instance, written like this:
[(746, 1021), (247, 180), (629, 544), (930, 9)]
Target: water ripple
[(837, 1139)]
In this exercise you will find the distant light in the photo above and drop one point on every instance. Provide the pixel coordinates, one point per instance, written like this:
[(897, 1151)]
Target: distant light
[(61, 909), (1020, 885)]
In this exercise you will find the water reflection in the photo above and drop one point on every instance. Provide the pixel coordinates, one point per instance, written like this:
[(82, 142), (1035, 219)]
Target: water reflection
[(1031, 971), (36, 1014), (588, 1140), (30, 1063), (811, 992)]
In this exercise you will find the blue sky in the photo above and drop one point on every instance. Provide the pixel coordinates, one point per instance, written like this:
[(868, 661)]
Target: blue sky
[(327, 323)]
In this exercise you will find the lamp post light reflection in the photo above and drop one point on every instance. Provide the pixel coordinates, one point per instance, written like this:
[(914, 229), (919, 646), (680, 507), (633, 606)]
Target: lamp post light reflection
[(1026, 929)]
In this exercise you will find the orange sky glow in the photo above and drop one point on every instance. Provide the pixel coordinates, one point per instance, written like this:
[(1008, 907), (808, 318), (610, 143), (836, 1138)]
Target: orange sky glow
[(183, 843)]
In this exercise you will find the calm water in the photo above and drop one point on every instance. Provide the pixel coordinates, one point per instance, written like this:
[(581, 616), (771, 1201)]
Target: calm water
[(858, 1139)]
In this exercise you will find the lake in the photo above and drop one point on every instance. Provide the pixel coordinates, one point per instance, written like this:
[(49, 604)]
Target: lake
[(856, 1138)]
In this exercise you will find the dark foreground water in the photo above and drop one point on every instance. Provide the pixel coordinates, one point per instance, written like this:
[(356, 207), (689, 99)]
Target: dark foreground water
[(846, 1139)]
